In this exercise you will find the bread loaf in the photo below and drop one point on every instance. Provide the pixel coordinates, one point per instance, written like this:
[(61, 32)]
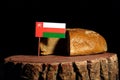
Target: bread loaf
[(77, 42)]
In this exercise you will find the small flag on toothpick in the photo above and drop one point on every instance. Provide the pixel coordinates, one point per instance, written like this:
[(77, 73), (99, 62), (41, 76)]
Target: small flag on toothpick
[(49, 30)]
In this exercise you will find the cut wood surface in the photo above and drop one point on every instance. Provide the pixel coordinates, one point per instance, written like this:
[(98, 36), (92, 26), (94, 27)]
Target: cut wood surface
[(102, 66)]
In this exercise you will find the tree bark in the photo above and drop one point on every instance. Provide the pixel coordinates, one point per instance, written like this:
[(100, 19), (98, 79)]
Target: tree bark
[(91, 67)]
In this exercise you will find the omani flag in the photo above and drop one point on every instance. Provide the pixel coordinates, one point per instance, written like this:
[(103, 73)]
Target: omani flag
[(50, 30)]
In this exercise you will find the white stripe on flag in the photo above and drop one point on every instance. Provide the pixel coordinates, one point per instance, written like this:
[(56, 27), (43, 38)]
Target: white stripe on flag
[(53, 25)]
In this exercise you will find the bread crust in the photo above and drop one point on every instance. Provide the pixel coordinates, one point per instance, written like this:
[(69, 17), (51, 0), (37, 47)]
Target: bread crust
[(84, 42)]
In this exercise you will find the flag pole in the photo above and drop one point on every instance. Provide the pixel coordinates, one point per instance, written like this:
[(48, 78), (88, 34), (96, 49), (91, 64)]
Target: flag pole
[(39, 53)]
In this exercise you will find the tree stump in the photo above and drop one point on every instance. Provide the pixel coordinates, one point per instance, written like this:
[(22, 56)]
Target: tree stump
[(102, 66)]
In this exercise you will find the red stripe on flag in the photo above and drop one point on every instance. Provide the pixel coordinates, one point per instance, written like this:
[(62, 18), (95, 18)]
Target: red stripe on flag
[(39, 29), (56, 30)]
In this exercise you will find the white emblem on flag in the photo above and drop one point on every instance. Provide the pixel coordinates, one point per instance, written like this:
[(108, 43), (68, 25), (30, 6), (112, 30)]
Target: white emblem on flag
[(39, 25)]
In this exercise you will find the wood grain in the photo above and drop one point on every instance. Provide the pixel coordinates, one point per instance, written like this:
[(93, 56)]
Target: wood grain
[(102, 66)]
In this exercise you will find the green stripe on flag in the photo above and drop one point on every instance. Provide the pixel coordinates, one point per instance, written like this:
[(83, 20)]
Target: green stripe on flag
[(53, 35)]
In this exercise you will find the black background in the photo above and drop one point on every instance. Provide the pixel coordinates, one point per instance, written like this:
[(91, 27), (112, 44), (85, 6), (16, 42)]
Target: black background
[(17, 34)]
